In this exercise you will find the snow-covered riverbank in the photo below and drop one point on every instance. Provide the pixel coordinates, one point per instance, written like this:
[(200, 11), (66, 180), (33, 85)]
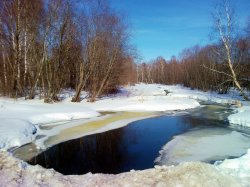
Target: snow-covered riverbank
[(25, 116), (21, 120), (14, 172)]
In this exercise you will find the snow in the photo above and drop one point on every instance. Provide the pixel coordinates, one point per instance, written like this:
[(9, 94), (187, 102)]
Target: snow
[(32, 113), (59, 135), (143, 103), (239, 167), (37, 112), (207, 144), (241, 117), (139, 98), (178, 91), (21, 121), (14, 172), (15, 132)]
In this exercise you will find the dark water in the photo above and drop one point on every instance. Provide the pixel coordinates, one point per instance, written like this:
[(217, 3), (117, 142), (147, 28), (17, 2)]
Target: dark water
[(132, 147)]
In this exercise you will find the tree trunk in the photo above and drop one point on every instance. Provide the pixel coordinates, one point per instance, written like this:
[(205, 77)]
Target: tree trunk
[(76, 98)]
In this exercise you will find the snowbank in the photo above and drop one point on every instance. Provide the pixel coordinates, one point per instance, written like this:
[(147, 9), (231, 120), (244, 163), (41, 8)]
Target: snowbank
[(140, 97), (241, 117), (14, 172), (14, 132), (143, 103), (177, 92), (210, 145), (19, 118), (37, 112), (239, 167), (79, 128), (34, 112), (204, 145)]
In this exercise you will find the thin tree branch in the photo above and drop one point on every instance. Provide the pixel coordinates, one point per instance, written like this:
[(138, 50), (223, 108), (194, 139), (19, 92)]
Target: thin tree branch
[(217, 71)]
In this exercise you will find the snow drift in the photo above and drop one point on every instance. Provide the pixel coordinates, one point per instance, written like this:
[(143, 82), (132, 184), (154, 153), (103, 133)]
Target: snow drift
[(14, 172), (241, 117), (21, 119), (14, 132)]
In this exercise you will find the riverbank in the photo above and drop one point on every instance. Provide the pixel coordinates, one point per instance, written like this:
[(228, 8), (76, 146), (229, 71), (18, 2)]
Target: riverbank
[(21, 122), (14, 172), (26, 116)]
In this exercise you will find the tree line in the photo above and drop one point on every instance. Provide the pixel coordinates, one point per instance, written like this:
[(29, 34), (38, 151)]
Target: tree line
[(50, 45), (199, 68), (218, 66)]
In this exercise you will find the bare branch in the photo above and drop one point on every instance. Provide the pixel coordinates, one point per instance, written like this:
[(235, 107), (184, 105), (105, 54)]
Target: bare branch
[(217, 71)]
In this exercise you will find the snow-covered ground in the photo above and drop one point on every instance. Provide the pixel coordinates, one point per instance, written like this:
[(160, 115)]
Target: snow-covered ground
[(15, 173), (32, 113), (239, 167), (141, 97), (21, 121), (242, 116), (15, 132)]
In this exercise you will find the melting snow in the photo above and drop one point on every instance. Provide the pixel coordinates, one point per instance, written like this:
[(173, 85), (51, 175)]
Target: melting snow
[(19, 120), (14, 172), (15, 132), (204, 145), (242, 117)]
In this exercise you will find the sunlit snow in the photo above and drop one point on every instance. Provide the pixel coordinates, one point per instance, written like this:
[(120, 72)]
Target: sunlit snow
[(20, 120), (204, 145)]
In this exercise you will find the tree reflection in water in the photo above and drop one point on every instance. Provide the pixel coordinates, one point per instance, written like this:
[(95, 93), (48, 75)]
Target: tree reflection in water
[(96, 153), (131, 147)]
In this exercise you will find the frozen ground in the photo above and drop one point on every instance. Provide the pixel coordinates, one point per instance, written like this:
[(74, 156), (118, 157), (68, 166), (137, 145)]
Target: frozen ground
[(14, 172), (21, 119)]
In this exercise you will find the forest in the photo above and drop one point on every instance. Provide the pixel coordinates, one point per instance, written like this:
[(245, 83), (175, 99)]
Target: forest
[(86, 45), (46, 47)]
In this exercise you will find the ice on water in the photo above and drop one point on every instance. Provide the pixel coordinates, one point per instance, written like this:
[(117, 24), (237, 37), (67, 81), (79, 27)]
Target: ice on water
[(209, 144)]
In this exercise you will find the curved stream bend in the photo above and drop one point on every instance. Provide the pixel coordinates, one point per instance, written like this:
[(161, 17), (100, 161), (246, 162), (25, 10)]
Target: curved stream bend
[(137, 145)]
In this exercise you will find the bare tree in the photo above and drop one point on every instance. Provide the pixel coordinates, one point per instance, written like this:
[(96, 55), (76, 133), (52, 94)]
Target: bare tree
[(225, 25), (104, 42), (60, 40), (49, 45)]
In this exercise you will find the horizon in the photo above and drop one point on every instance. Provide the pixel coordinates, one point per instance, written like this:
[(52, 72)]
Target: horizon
[(166, 28)]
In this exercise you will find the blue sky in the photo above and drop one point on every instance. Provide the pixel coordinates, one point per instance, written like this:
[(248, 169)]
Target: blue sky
[(166, 27)]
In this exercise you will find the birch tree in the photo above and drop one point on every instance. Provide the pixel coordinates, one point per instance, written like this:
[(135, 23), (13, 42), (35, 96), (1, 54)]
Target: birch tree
[(225, 25), (104, 43)]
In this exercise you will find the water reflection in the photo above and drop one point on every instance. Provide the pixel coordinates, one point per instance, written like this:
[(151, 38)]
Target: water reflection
[(132, 147), (95, 153)]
